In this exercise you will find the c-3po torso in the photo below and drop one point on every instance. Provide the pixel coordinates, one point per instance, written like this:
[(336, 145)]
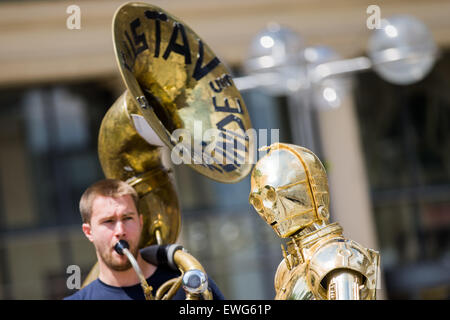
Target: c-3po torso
[(290, 192), (324, 265)]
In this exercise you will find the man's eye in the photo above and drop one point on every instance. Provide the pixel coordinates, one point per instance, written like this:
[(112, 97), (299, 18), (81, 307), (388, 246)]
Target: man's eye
[(107, 221)]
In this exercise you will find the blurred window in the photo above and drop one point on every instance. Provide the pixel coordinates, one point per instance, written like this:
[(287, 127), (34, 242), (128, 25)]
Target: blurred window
[(48, 156), (406, 140)]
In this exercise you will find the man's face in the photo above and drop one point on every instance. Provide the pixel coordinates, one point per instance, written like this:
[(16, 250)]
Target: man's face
[(114, 219)]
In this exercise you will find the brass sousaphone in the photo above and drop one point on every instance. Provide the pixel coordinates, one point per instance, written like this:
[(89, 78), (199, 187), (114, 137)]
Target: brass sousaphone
[(177, 93)]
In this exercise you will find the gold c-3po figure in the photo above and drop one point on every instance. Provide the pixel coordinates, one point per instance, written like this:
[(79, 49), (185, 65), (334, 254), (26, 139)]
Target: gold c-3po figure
[(289, 190)]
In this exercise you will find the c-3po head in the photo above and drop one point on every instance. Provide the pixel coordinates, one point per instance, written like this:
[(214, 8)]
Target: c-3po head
[(289, 189)]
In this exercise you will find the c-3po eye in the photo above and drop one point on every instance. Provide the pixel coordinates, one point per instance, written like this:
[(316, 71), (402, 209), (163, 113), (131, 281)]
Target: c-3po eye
[(271, 194), (256, 202)]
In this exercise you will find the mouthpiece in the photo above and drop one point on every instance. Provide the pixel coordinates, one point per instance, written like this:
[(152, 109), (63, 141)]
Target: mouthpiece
[(120, 246)]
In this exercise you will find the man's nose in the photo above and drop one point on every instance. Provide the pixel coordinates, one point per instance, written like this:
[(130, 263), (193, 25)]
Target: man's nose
[(119, 229)]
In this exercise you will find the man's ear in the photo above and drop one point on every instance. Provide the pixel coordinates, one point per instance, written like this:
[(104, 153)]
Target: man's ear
[(87, 231)]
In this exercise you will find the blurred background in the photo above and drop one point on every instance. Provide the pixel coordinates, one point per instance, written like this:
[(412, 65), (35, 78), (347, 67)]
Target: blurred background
[(380, 123)]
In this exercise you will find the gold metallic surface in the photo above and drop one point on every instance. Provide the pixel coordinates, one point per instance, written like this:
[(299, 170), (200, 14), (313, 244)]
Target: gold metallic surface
[(288, 186), (168, 288), (289, 190), (344, 285), (177, 82)]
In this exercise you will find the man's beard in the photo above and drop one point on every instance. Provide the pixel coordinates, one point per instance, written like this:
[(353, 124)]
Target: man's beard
[(107, 257)]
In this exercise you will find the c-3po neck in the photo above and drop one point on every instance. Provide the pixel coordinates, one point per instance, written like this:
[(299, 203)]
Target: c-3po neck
[(307, 238)]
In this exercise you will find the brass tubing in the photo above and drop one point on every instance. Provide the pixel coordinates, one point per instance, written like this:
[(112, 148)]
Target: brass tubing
[(145, 287)]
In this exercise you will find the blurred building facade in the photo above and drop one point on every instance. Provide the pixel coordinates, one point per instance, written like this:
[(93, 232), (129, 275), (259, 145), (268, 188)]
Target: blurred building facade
[(386, 149)]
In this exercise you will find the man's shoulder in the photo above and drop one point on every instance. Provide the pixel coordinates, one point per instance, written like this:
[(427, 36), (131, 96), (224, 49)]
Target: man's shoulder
[(84, 293)]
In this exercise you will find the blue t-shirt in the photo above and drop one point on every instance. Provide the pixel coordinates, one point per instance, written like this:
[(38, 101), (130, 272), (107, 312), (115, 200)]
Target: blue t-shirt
[(98, 290)]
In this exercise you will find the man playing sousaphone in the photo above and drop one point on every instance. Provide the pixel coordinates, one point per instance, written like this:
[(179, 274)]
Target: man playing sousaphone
[(173, 80), (168, 71), (109, 214)]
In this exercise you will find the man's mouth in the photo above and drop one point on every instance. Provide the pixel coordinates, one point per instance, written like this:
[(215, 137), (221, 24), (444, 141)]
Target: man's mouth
[(115, 251), (113, 248)]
